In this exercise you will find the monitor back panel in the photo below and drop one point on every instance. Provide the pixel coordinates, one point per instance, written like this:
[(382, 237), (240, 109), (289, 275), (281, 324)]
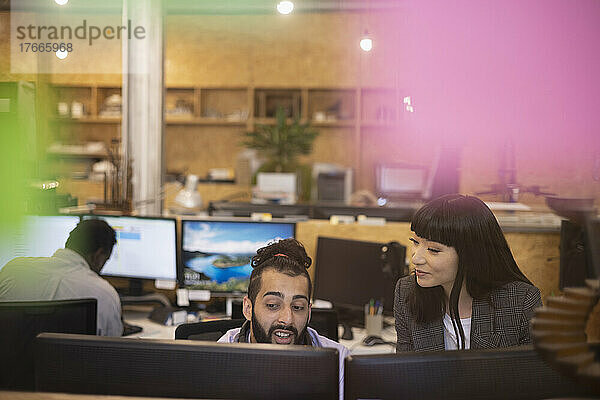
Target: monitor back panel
[(467, 374), (574, 268), (186, 369), (351, 272), (22, 321)]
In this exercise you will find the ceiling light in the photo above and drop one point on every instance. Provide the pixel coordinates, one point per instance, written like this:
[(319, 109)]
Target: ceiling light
[(61, 2), (62, 54), (365, 42), (284, 7)]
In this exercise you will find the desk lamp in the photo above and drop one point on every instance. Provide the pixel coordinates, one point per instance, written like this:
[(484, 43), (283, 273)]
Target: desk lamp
[(188, 197)]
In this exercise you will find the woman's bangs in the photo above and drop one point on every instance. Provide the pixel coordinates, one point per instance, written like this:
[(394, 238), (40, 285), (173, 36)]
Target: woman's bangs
[(435, 225)]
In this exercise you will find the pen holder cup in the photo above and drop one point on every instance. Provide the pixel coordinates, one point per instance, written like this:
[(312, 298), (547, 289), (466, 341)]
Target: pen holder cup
[(374, 324)]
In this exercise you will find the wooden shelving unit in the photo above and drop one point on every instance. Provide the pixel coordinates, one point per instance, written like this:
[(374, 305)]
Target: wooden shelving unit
[(87, 120), (203, 121), (205, 125), (324, 107)]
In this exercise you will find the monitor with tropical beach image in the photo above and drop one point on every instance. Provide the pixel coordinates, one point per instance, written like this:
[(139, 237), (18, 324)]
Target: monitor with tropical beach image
[(216, 255)]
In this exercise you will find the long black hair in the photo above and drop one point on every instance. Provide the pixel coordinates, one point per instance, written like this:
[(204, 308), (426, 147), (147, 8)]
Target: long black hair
[(485, 261)]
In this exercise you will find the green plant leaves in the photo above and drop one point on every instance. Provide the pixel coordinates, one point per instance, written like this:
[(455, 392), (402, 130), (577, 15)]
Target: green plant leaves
[(282, 143)]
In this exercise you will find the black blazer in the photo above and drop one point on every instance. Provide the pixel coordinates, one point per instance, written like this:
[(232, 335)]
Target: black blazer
[(501, 321)]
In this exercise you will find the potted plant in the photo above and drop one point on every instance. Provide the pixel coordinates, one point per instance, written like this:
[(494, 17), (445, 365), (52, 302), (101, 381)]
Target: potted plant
[(281, 145)]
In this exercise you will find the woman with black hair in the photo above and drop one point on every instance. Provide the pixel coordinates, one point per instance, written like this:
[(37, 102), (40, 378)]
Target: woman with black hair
[(467, 290)]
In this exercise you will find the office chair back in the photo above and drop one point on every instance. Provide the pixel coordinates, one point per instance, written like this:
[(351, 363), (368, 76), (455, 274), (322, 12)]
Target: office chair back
[(209, 330), (512, 373), (183, 368), (325, 322), (22, 321)]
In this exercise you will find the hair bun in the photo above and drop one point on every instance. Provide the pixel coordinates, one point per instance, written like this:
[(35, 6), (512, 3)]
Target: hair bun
[(290, 248)]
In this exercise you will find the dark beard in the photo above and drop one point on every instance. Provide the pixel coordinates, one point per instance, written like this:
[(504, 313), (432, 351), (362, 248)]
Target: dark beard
[(262, 336)]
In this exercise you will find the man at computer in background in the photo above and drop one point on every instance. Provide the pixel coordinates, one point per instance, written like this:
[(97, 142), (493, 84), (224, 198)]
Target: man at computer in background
[(71, 273), (277, 307)]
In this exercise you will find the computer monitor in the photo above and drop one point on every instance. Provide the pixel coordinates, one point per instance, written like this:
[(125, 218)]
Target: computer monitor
[(401, 180), (184, 369), (592, 229), (21, 321), (401, 211), (511, 373), (241, 209), (216, 254), (37, 236), (349, 273), (146, 247), (577, 252)]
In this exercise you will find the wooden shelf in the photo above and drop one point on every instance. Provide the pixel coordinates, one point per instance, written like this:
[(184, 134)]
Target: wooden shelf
[(88, 120), (203, 121), (78, 85), (264, 121), (273, 121), (67, 154), (334, 124)]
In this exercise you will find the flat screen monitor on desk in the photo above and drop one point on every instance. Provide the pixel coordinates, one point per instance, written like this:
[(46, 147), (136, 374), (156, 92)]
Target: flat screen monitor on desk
[(511, 373), (216, 254), (401, 212), (593, 245), (401, 181), (579, 252), (37, 236), (349, 273), (22, 321), (146, 248), (242, 209), (184, 369)]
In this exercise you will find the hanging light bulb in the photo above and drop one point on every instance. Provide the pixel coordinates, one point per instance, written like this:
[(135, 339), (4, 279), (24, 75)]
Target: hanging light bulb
[(366, 44), (285, 7)]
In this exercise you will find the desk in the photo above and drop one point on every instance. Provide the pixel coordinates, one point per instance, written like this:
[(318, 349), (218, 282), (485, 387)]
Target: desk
[(357, 347), (153, 330)]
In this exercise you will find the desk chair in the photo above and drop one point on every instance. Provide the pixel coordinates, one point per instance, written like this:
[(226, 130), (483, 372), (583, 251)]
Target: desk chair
[(21, 321), (208, 330), (324, 321)]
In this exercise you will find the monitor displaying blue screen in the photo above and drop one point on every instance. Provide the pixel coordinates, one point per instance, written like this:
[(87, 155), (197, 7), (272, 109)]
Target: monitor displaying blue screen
[(216, 254), (146, 248), (36, 236)]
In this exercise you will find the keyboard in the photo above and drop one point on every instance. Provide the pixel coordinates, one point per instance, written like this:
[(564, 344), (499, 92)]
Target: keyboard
[(130, 329)]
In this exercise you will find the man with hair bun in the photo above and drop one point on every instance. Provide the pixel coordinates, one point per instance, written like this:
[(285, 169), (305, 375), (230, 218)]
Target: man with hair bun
[(277, 307)]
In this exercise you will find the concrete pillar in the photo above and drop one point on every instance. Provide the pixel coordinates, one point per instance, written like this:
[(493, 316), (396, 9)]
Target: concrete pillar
[(143, 125)]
